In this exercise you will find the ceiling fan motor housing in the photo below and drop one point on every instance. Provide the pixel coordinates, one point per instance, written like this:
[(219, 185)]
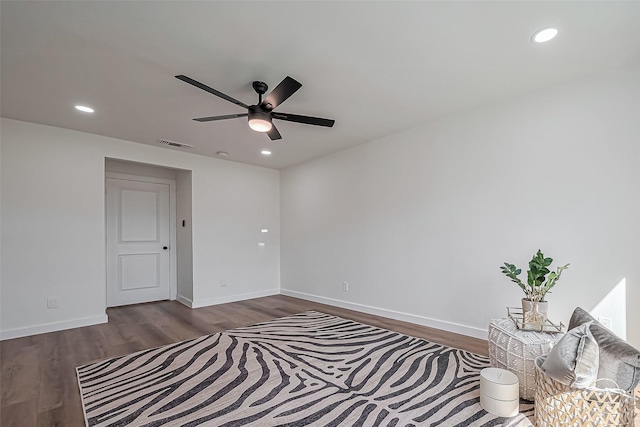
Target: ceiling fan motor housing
[(260, 87)]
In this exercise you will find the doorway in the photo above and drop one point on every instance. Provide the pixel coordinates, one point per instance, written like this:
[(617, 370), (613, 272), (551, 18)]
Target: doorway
[(140, 233), (138, 242)]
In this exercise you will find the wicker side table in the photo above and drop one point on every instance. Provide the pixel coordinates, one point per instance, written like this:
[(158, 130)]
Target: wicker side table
[(516, 350)]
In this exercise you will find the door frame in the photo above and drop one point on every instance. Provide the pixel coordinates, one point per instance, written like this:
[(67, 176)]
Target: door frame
[(173, 272)]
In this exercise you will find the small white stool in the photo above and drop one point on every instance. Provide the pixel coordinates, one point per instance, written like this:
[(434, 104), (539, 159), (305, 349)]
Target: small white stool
[(499, 392)]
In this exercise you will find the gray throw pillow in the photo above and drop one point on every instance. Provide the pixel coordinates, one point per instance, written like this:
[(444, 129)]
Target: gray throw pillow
[(574, 359), (579, 317), (618, 361)]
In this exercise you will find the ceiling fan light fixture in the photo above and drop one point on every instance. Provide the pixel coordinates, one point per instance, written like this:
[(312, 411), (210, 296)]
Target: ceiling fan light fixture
[(260, 125), (260, 121), (260, 116)]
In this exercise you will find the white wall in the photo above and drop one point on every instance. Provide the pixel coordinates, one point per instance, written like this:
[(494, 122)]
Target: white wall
[(53, 226), (419, 222)]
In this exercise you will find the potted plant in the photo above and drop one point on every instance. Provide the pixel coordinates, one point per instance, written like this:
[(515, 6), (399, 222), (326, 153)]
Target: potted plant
[(540, 280)]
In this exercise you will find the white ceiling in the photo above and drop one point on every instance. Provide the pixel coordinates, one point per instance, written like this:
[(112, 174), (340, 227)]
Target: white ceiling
[(374, 67)]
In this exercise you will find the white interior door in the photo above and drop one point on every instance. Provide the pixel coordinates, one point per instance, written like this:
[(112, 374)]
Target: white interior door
[(138, 236)]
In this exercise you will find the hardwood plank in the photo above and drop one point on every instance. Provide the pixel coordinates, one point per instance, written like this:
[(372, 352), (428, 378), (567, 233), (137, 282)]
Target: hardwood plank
[(22, 414), (20, 375), (72, 414), (52, 418), (51, 385)]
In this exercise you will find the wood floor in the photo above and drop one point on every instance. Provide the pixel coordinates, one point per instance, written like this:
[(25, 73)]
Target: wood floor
[(38, 379), (39, 385)]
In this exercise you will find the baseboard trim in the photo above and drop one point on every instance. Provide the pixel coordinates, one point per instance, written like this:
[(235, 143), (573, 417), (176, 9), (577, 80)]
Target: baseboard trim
[(377, 311), (231, 298), (392, 314), (184, 300), (52, 327)]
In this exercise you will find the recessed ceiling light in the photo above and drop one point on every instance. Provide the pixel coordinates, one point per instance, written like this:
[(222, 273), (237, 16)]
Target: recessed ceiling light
[(222, 153), (265, 230), (544, 35), (261, 244), (84, 109), (266, 152)]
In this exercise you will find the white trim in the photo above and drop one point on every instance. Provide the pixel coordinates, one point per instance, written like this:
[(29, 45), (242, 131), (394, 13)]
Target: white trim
[(52, 327), (173, 259), (184, 300), (140, 178), (392, 314), (231, 298)]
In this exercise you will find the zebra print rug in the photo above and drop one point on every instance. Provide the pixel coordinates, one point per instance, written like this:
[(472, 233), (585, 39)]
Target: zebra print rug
[(310, 369)]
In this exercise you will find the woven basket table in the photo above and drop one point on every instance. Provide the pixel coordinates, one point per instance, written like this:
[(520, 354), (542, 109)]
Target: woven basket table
[(558, 405), (516, 350)]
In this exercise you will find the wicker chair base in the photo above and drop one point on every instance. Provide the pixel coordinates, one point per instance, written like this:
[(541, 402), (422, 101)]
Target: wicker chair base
[(558, 405)]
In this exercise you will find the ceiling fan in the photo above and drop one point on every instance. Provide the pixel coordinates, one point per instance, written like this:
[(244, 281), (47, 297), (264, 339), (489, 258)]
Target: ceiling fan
[(261, 115)]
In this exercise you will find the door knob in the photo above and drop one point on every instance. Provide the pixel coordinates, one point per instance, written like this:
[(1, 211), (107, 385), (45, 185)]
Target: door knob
[(165, 247)]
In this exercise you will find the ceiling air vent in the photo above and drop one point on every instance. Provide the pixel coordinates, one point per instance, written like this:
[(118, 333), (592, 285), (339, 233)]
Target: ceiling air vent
[(174, 144)]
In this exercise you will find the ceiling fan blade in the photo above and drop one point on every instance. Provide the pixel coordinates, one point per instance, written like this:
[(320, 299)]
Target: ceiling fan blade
[(284, 90), (213, 118), (303, 119), (273, 133), (211, 90)]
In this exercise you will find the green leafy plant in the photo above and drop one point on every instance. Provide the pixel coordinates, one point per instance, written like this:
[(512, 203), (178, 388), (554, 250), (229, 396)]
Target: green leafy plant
[(540, 279)]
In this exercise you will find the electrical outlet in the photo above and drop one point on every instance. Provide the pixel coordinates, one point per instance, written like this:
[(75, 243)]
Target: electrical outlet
[(52, 302), (345, 286), (606, 322)]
